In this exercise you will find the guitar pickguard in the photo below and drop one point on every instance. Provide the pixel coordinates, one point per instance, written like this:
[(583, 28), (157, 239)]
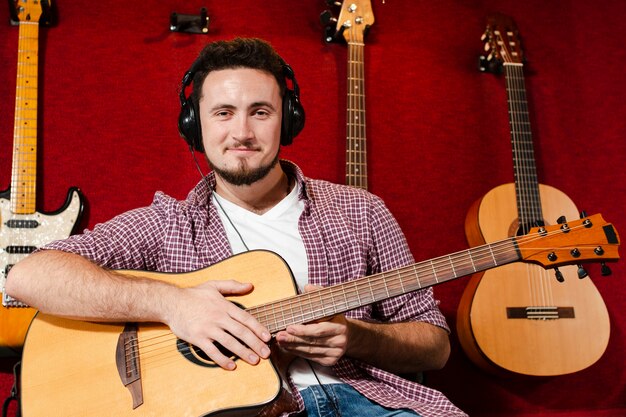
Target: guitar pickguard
[(21, 234)]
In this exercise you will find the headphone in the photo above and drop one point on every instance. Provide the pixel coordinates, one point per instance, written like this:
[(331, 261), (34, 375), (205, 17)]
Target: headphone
[(189, 122)]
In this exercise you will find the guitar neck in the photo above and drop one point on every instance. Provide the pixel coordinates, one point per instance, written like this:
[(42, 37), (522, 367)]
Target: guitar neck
[(356, 146), (526, 180), (329, 301), (24, 174)]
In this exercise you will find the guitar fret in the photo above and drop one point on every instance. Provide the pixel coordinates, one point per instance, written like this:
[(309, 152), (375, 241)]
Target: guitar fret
[(452, 266), (434, 271), (471, 258)]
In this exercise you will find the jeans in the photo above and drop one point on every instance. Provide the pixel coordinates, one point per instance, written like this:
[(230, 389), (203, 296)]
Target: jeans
[(341, 400)]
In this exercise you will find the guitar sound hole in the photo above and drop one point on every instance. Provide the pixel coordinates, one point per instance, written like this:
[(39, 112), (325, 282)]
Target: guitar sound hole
[(196, 355)]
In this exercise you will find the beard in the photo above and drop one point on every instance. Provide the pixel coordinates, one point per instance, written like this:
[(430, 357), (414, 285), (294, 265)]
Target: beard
[(244, 175)]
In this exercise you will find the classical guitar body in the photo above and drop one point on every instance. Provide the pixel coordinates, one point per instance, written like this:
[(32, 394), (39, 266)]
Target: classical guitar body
[(523, 319), (541, 345)]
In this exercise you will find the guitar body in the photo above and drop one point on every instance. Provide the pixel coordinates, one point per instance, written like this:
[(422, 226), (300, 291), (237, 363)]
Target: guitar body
[(74, 368), (70, 366), (19, 235), (520, 345)]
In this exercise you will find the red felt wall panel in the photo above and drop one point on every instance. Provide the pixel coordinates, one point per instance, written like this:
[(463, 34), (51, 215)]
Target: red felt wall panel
[(438, 133)]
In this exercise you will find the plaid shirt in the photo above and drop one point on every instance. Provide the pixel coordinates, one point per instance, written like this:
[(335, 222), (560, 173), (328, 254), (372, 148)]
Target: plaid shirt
[(347, 232)]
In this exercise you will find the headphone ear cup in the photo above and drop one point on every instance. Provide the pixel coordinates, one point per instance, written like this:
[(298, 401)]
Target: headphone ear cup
[(293, 118), (189, 125)]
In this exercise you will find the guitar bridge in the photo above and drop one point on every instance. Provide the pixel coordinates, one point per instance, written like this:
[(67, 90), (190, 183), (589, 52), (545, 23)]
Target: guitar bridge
[(7, 300), (127, 361), (540, 313)]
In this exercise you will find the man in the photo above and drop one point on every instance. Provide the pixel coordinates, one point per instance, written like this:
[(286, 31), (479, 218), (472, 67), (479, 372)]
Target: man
[(240, 112)]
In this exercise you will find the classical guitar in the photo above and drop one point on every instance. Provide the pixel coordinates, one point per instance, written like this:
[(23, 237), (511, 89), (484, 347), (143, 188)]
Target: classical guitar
[(77, 368), (355, 19), (23, 229), (521, 319)]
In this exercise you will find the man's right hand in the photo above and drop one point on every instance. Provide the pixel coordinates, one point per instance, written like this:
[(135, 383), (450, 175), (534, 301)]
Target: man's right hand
[(202, 316)]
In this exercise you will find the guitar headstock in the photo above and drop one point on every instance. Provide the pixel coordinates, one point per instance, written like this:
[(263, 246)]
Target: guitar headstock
[(354, 20), (31, 11), (590, 239), (501, 42)]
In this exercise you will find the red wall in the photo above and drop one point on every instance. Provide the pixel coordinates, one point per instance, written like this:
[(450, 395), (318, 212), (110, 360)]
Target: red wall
[(438, 133)]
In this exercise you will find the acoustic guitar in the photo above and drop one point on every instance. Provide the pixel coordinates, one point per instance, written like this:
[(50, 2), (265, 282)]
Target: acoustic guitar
[(521, 319), (76, 368), (354, 20), (22, 228)]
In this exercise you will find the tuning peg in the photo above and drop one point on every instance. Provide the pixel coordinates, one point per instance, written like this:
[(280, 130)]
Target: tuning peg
[(482, 63), (327, 18), (561, 220), (582, 273), (559, 275), (605, 270), (583, 214)]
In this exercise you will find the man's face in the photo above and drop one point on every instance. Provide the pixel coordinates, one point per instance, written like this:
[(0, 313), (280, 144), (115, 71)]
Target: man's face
[(240, 114)]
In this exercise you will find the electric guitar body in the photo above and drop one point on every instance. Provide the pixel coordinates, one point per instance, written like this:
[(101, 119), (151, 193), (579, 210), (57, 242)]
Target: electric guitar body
[(520, 318)]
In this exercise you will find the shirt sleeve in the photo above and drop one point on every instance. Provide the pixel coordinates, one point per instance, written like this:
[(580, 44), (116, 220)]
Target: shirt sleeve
[(391, 251), (131, 240)]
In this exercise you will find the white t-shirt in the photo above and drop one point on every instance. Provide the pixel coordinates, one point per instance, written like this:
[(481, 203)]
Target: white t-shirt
[(276, 230)]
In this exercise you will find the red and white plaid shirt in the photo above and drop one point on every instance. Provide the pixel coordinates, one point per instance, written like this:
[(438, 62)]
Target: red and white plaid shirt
[(347, 232)]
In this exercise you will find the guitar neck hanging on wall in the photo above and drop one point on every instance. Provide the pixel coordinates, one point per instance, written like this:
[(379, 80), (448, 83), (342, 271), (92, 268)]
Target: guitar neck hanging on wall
[(355, 19)]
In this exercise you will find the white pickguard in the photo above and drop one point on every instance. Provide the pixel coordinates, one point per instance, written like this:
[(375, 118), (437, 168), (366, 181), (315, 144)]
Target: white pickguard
[(49, 227)]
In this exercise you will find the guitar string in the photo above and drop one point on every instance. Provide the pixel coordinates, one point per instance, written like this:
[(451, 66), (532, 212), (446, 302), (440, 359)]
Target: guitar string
[(522, 166), (378, 283), (538, 280), (402, 274), (520, 176), (356, 169)]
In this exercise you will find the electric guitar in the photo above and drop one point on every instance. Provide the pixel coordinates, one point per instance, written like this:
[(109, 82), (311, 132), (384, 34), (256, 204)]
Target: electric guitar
[(518, 318), (22, 229), (77, 368), (355, 19)]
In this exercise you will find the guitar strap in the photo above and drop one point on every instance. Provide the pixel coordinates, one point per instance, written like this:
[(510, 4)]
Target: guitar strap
[(15, 393)]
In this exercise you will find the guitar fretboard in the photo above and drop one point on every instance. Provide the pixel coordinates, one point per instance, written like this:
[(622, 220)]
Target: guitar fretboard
[(326, 302), (526, 181), (356, 149), (24, 174)]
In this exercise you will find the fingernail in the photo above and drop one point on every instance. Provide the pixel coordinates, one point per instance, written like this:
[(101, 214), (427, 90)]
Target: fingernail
[(253, 358), (265, 351)]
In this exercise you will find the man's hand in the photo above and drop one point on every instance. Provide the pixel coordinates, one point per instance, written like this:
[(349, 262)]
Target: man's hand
[(202, 316), (324, 342)]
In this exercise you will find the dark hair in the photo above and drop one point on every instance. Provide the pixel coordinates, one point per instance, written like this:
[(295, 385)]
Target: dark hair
[(237, 53)]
